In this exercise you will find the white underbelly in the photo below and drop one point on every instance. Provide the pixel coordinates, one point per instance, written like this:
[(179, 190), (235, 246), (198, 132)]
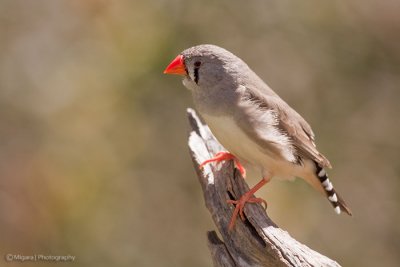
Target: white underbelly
[(239, 144)]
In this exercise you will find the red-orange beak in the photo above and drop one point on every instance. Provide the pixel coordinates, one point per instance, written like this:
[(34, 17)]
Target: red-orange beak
[(177, 66)]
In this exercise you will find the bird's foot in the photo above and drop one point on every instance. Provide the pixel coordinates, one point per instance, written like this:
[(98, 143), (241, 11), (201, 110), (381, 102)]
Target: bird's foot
[(246, 198), (221, 156)]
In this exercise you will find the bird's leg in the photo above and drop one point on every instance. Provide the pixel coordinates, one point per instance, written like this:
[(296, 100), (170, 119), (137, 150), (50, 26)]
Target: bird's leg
[(221, 156), (246, 198)]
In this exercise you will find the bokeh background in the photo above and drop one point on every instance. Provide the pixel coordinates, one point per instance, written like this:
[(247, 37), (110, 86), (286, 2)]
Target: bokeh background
[(93, 155)]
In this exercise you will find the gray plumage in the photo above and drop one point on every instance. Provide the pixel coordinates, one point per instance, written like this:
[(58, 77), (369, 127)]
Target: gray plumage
[(251, 121)]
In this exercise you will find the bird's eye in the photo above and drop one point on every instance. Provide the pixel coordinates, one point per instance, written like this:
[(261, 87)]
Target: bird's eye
[(197, 64)]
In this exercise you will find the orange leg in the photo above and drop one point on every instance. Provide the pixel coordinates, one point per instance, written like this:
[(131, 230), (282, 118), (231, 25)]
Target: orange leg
[(246, 198), (221, 156)]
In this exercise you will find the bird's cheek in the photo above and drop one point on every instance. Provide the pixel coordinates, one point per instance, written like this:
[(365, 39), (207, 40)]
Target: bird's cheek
[(188, 83)]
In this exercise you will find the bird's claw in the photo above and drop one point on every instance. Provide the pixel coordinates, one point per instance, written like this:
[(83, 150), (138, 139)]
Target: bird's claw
[(239, 209), (222, 156)]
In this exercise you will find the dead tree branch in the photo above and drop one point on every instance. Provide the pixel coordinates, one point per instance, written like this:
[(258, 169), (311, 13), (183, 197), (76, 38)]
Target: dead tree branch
[(257, 241)]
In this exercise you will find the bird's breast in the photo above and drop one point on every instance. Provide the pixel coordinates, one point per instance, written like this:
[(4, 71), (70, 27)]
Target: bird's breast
[(237, 142)]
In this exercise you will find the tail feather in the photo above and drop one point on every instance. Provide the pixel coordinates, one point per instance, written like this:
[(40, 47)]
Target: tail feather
[(334, 198)]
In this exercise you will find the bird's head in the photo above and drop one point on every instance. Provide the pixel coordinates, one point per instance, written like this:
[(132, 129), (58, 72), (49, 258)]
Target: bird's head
[(205, 66)]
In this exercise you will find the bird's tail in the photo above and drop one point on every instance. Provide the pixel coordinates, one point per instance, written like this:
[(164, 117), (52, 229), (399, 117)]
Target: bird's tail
[(334, 198)]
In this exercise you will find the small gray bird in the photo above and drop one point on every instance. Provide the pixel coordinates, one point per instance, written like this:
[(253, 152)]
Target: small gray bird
[(252, 122)]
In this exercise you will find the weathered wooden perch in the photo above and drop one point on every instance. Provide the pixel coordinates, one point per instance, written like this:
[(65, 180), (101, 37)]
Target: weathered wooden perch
[(257, 241)]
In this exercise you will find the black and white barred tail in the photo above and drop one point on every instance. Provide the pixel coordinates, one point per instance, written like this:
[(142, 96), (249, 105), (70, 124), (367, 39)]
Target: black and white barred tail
[(333, 197)]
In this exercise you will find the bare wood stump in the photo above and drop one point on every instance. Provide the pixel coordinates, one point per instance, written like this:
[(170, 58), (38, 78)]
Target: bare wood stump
[(257, 241)]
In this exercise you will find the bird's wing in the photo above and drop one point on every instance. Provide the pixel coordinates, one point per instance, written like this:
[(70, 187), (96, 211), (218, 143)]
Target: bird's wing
[(261, 111)]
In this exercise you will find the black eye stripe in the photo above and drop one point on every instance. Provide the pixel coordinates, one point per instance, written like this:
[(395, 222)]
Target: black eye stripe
[(196, 75), (196, 71)]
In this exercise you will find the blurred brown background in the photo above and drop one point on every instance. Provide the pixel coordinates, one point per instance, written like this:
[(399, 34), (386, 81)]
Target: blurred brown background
[(93, 156)]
